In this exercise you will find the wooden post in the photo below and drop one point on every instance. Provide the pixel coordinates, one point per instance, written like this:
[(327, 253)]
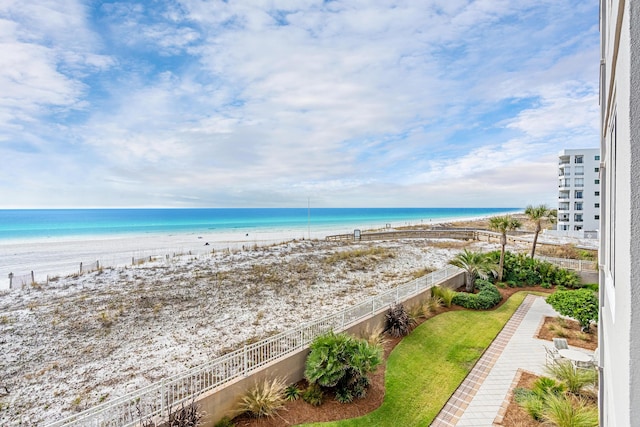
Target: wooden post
[(10, 280), (80, 267), (33, 280)]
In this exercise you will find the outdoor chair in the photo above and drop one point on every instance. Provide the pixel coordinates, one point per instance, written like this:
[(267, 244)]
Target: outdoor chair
[(552, 356), (560, 343)]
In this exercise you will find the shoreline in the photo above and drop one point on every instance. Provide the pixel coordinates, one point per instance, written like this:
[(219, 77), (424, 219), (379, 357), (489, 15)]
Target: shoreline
[(61, 256)]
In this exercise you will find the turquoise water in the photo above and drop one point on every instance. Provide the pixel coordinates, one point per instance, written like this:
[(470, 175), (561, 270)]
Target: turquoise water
[(63, 223)]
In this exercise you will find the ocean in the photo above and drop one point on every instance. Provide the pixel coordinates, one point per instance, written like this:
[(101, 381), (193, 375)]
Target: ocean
[(28, 224)]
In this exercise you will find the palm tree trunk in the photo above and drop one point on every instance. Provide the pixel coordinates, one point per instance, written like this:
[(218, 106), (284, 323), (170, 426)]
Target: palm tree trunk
[(503, 243), (535, 240), (469, 282)]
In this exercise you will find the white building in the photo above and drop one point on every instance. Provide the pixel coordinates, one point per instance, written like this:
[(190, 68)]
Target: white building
[(579, 192), (619, 258)]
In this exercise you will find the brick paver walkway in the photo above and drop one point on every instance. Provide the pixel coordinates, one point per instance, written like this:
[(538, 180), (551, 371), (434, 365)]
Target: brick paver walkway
[(480, 397)]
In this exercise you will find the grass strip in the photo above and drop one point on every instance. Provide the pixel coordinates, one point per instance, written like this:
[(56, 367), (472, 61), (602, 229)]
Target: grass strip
[(427, 366)]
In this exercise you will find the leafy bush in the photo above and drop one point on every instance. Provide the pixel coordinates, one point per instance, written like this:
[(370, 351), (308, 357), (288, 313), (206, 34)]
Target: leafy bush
[(445, 294), (487, 298), (264, 399), (522, 270), (342, 362), (313, 395), (581, 304), (398, 321)]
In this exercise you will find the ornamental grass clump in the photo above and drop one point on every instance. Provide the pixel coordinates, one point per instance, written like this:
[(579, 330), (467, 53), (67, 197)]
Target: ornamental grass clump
[(446, 295), (341, 362), (265, 399)]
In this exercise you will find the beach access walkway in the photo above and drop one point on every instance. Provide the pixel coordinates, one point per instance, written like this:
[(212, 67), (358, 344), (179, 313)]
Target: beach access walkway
[(482, 398)]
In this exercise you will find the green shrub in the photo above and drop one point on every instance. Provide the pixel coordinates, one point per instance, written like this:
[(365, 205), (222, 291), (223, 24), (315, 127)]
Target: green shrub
[(264, 399), (292, 392), (341, 361), (522, 270), (487, 298), (581, 304), (313, 395), (398, 323)]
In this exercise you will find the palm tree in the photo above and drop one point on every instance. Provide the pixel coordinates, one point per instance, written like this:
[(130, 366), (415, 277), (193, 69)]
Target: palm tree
[(475, 264), (537, 214), (502, 224)]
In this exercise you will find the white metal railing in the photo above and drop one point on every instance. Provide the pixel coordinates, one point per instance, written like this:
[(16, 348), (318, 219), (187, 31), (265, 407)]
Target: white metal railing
[(155, 399), (571, 264)]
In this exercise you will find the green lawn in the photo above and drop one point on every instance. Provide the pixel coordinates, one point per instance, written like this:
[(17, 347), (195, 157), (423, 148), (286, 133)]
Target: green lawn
[(427, 366)]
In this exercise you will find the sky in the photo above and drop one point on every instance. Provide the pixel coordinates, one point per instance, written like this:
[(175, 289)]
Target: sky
[(285, 103)]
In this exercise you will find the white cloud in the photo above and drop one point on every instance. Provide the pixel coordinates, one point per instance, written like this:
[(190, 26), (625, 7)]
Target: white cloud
[(266, 102)]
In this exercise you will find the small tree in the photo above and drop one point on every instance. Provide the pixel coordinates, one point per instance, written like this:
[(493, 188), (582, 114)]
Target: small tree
[(502, 224), (475, 264), (581, 304)]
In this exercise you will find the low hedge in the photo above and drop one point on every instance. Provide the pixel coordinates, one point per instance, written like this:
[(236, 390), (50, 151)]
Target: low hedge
[(487, 297)]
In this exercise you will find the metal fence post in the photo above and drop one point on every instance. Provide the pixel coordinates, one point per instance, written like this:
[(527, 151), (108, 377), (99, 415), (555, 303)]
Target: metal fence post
[(163, 396), (246, 361)]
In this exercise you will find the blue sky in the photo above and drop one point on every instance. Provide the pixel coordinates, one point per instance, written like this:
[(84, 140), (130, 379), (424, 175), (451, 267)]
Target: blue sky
[(267, 103)]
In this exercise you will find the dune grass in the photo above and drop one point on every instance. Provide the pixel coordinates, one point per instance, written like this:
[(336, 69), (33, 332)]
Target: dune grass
[(428, 365)]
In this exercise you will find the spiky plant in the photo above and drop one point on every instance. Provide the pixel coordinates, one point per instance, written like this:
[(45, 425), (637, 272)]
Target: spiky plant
[(265, 399), (503, 224), (567, 411), (292, 392), (576, 380), (186, 416), (398, 321), (313, 395), (374, 335), (476, 265), (445, 294)]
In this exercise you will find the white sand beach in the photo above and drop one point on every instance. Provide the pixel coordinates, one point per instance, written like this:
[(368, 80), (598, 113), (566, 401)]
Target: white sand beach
[(83, 339)]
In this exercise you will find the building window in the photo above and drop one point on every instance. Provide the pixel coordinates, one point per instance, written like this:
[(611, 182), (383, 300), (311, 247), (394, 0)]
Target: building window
[(580, 182), (565, 182), (597, 193), (578, 159), (596, 205), (577, 227), (597, 181), (577, 217), (578, 206), (596, 217), (596, 170), (578, 194), (579, 170), (596, 158)]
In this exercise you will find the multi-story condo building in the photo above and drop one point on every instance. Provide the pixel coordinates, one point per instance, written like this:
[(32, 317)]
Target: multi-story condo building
[(579, 191), (619, 255)]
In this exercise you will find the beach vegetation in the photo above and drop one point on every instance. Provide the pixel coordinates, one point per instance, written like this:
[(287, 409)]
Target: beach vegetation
[(503, 224), (580, 304), (264, 399), (445, 295), (341, 362), (539, 215), (398, 322), (422, 272), (476, 265), (360, 258)]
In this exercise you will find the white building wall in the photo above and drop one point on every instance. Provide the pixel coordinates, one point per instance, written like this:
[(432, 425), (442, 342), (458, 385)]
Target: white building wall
[(578, 190), (619, 325)]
